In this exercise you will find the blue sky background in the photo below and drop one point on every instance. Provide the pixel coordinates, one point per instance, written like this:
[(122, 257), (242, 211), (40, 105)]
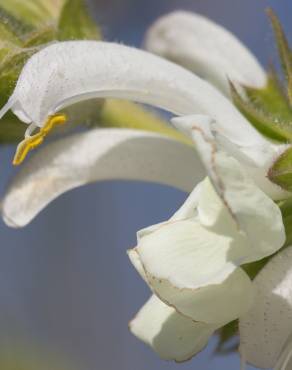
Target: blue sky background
[(66, 284)]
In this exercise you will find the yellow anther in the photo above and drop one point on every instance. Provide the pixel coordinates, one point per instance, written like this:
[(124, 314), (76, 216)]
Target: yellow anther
[(34, 141)]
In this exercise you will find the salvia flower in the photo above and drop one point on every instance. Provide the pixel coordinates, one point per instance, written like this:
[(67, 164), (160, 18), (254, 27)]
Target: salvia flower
[(265, 331), (234, 169), (192, 262)]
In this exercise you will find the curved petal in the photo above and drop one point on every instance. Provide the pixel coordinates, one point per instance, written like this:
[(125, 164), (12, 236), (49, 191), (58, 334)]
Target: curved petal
[(256, 215), (97, 155), (172, 336), (192, 255), (136, 262), (205, 48), (186, 211), (118, 71), (198, 282), (265, 331), (216, 303)]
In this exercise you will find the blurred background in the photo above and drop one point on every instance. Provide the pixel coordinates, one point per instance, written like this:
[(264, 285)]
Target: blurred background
[(66, 285)]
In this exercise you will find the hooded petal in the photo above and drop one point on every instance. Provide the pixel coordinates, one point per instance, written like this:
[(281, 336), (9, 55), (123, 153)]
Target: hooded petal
[(118, 71), (97, 155), (172, 336), (103, 69), (205, 48), (265, 331), (257, 217)]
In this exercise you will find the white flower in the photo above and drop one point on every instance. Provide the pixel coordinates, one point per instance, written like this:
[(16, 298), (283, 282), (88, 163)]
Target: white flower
[(266, 331), (191, 262), (66, 72), (97, 155), (206, 49)]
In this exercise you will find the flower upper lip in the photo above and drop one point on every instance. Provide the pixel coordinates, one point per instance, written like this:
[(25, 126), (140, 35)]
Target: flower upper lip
[(118, 72)]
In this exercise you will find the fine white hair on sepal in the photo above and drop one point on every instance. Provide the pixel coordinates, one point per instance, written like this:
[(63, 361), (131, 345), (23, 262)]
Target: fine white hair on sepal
[(266, 331)]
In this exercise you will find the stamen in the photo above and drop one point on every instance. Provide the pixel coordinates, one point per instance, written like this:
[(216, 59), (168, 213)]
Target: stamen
[(31, 142)]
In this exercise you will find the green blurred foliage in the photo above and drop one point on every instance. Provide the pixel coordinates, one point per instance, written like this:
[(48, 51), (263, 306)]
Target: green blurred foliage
[(82, 27), (23, 357)]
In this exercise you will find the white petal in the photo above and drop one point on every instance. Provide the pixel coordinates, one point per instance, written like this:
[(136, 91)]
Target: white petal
[(265, 331), (191, 268), (172, 336), (136, 262), (216, 304), (256, 215), (188, 209), (205, 48), (97, 155), (187, 254), (66, 72)]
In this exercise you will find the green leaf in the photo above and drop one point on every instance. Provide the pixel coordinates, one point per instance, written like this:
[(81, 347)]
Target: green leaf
[(11, 129), (283, 49), (76, 23), (269, 125), (33, 12), (12, 29), (10, 69), (40, 36), (281, 171)]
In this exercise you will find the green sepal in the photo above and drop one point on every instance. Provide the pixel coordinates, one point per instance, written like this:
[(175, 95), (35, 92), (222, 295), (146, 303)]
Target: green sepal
[(75, 22), (281, 171), (267, 124), (271, 99)]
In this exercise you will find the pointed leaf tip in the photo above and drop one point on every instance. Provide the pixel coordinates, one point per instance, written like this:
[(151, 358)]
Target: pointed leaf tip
[(76, 23), (281, 171), (283, 49), (267, 124)]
